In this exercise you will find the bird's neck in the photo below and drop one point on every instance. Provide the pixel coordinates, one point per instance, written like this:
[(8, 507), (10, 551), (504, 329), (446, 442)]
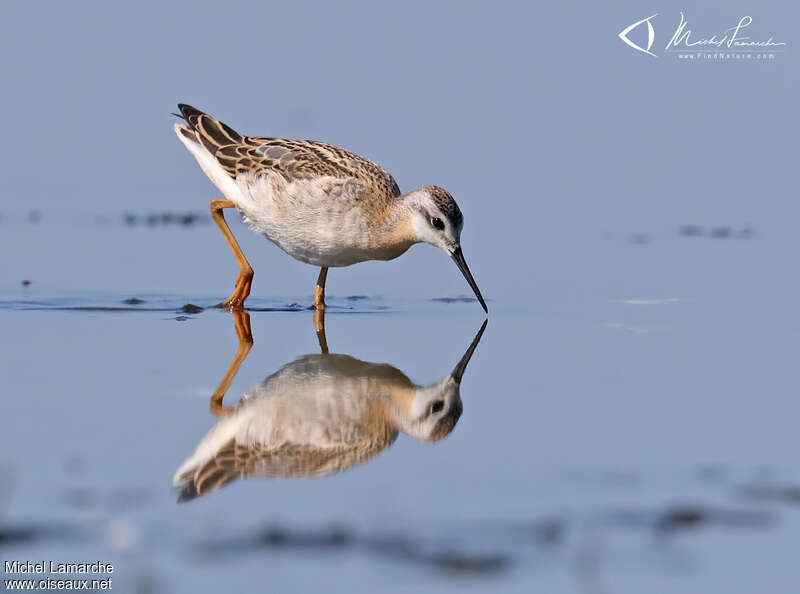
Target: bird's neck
[(399, 404), (397, 233)]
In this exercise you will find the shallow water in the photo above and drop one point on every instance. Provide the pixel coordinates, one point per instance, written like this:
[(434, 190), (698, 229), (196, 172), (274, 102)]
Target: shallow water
[(609, 442)]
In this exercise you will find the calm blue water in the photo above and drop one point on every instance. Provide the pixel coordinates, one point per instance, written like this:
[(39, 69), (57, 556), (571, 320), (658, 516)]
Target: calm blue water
[(635, 441)]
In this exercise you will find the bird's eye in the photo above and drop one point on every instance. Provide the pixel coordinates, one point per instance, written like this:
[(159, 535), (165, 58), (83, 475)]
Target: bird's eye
[(437, 222), (437, 406)]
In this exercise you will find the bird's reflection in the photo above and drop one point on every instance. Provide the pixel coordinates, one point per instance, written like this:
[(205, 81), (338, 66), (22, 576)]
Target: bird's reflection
[(319, 414)]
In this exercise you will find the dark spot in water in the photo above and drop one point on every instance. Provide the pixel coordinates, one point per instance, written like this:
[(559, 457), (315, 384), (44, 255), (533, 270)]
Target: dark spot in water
[(685, 517), (357, 297), (191, 308), (404, 548), (548, 531), (34, 216), (458, 299), (187, 219), (721, 232), (182, 318), (35, 533), (164, 218), (275, 536), (681, 517), (691, 230), (467, 563), (639, 239), (26, 283), (16, 536), (133, 301)]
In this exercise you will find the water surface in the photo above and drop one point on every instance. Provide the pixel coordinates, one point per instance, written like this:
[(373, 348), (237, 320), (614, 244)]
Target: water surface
[(640, 442)]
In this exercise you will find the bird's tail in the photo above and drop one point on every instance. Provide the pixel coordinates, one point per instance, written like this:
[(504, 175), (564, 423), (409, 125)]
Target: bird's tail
[(209, 131)]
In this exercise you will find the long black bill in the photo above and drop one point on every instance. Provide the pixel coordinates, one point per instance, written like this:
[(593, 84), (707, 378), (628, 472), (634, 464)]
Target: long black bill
[(458, 258), (460, 368)]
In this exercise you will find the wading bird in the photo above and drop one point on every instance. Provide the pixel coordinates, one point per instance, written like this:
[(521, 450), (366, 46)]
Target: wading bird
[(321, 204)]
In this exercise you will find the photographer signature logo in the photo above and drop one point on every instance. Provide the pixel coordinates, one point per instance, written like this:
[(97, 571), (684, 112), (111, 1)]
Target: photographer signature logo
[(731, 40), (651, 35)]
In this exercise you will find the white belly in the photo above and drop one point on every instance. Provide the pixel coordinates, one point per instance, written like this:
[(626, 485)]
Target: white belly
[(316, 221)]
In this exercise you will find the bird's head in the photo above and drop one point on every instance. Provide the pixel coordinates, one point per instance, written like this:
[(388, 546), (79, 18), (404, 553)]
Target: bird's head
[(437, 220), (435, 409)]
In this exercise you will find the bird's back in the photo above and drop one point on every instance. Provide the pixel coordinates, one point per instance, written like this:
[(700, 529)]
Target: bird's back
[(320, 203), (292, 159)]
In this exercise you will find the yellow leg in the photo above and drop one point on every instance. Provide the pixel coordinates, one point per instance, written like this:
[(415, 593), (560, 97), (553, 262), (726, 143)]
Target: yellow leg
[(319, 290), (241, 320), (245, 278)]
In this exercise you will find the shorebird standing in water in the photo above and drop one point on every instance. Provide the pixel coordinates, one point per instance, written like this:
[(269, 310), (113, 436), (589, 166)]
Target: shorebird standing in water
[(321, 204)]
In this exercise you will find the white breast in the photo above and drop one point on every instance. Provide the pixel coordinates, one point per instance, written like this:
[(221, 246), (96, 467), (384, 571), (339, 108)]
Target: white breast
[(316, 221)]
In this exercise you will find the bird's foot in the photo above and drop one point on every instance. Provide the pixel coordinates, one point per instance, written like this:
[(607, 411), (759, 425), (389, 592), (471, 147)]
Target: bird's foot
[(240, 292), (232, 304), (237, 299), (235, 302)]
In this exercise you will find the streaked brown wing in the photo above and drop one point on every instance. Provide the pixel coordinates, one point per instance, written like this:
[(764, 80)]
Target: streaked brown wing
[(234, 461), (292, 159), (303, 159)]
